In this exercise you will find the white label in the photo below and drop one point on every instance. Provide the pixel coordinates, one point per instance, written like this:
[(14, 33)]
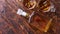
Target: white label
[(21, 12)]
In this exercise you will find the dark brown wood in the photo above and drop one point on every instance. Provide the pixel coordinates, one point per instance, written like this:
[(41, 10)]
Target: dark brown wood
[(12, 23)]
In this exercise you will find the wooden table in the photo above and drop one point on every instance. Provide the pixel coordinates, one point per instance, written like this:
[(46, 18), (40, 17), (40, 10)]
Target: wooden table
[(11, 23)]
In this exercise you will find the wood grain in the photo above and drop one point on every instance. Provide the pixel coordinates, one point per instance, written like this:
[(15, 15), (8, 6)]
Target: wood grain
[(11, 23)]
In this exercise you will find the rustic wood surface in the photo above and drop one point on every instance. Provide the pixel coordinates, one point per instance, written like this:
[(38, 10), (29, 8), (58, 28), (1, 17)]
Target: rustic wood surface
[(11, 23)]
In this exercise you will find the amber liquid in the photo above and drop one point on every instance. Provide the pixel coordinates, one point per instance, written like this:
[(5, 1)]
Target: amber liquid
[(44, 5)]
